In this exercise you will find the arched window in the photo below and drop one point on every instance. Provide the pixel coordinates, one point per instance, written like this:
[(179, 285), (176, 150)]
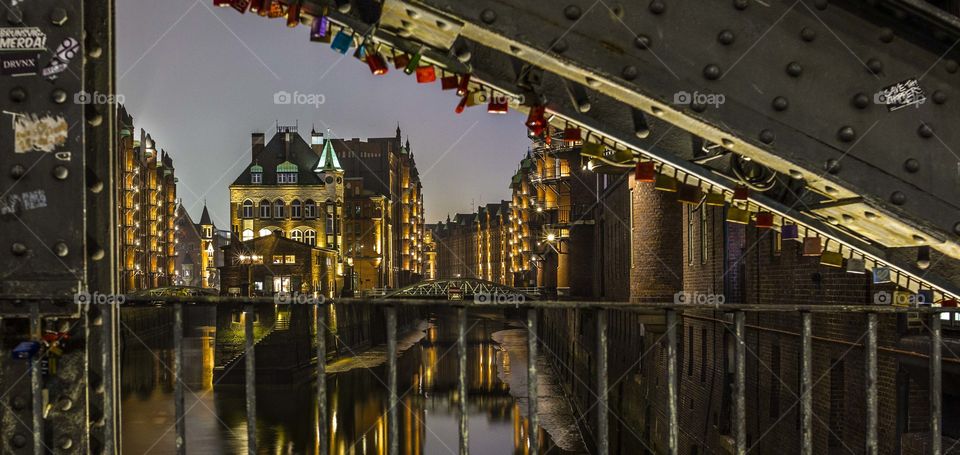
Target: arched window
[(296, 235), (295, 209), (265, 232), (310, 237), (264, 209), (278, 209), (247, 211), (309, 209), (247, 234)]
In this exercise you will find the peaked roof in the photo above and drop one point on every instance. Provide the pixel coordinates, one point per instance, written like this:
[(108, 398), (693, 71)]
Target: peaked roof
[(328, 158), (276, 152), (205, 217)]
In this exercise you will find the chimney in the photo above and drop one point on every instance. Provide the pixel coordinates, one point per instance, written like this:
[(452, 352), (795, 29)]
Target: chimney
[(316, 141), (257, 144)]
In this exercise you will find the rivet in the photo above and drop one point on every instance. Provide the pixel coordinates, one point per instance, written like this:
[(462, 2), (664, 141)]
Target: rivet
[(559, 46), (488, 16), (345, 7), (97, 253), (593, 83), (657, 7), (919, 238), (833, 221), (65, 442), (726, 37), (95, 119), (630, 72), (925, 131), (886, 35), (18, 403), (95, 51), (18, 249), (741, 4), (697, 106), (60, 172), (17, 171), (861, 100), (832, 166), (808, 34), (58, 95), (656, 110), (728, 143), (780, 103), (767, 136), (61, 249), (413, 13), (831, 190), (911, 165), (18, 94), (794, 69), (572, 12), (875, 65), (642, 41), (58, 16), (820, 4), (66, 404), (951, 65), (796, 174), (711, 72), (870, 215), (848, 218), (898, 198), (443, 25), (847, 134), (956, 228), (18, 440), (939, 97)]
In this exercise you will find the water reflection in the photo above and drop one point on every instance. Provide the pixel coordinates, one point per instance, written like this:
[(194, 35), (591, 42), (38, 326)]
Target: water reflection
[(357, 400)]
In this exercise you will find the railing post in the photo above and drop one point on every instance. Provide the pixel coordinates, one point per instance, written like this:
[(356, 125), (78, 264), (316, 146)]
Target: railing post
[(250, 385), (108, 346), (871, 379), (36, 380), (532, 417), (462, 379), (394, 432), (603, 423), (806, 381), (740, 384), (936, 417), (322, 435), (181, 424), (673, 437)]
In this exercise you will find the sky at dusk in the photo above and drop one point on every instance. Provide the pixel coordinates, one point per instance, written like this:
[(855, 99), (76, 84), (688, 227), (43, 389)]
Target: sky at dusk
[(200, 79)]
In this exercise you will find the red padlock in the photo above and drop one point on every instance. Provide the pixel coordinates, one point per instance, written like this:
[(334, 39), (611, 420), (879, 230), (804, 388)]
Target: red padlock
[(426, 74)]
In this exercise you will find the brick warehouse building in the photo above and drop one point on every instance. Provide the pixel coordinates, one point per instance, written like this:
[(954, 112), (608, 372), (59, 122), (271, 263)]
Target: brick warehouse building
[(637, 241)]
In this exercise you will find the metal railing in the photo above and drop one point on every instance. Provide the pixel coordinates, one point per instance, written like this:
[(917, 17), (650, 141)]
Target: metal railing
[(670, 311)]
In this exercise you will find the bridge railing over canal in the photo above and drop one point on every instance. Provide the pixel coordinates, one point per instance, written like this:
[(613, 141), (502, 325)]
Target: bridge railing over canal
[(732, 314)]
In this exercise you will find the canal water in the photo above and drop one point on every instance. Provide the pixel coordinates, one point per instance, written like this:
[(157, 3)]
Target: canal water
[(357, 396)]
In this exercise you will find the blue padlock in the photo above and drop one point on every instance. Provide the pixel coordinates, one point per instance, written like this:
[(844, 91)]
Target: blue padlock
[(342, 42), (26, 350)]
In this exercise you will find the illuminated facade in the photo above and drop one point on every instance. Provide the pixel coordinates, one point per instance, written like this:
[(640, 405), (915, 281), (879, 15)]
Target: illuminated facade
[(198, 247), (146, 195), (365, 237), (293, 189)]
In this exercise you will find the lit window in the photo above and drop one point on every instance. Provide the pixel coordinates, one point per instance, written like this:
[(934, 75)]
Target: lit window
[(264, 209), (265, 232), (290, 259), (278, 209), (296, 235), (256, 177), (278, 259), (310, 237), (247, 211), (247, 235), (295, 209), (309, 209)]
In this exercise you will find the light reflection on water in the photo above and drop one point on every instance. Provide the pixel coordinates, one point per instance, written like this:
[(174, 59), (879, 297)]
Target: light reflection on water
[(357, 400)]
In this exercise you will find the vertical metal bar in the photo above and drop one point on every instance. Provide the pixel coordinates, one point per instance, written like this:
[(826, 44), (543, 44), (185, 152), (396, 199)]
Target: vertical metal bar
[(250, 371), (462, 379), (936, 417), (740, 384), (36, 380), (394, 431), (871, 379), (108, 352), (181, 424), (806, 381), (673, 428), (322, 379), (603, 422), (533, 418)]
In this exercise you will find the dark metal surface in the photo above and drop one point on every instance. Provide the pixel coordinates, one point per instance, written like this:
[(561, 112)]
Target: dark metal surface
[(322, 431), (250, 379), (179, 415), (603, 410), (673, 424), (462, 380), (806, 384), (936, 386), (740, 384), (533, 418), (393, 437), (872, 447)]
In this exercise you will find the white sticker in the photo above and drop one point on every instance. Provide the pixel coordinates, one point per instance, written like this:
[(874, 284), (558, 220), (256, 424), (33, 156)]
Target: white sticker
[(38, 134), (61, 58), (30, 200), (22, 39)]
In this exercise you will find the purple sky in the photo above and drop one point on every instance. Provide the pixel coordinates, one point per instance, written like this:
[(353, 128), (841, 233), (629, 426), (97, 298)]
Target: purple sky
[(200, 79)]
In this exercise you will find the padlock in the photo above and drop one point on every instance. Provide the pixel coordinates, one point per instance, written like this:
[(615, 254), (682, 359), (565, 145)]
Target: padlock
[(265, 7), (26, 350), (377, 64), (426, 74), (240, 5), (413, 64), (764, 220), (812, 246), (464, 86), (320, 30), (276, 10), (790, 232), (831, 259), (736, 215), (665, 183), (948, 303), (881, 275), (856, 265), (342, 42), (925, 297), (646, 172), (401, 61), (500, 105), (293, 13), (255, 5), (572, 135), (592, 150), (449, 82), (689, 194), (462, 105), (715, 200), (536, 120)]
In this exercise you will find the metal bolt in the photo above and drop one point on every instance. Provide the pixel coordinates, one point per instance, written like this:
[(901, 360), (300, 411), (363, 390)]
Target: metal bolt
[(780, 103), (657, 7), (712, 72), (18, 94), (18, 249), (808, 34), (488, 16), (66, 404), (861, 100), (18, 403), (18, 440), (17, 171), (741, 4), (911, 165), (956, 228), (832, 166), (898, 198), (58, 16), (847, 134), (875, 65), (94, 51), (572, 12), (939, 97), (58, 96), (726, 37), (951, 65), (61, 249), (60, 172), (95, 119), (794, 69), (559, 46), (925, 131), (65, 442), (886, 35), (767, 136), (820, 4), (630, 72), (642, 41)]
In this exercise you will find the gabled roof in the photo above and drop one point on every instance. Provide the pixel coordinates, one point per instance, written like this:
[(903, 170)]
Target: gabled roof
[(275, 153), (205, 216), (328, 158)]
